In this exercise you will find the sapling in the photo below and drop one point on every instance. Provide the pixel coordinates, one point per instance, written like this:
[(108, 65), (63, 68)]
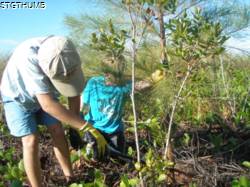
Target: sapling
[(194, 40)]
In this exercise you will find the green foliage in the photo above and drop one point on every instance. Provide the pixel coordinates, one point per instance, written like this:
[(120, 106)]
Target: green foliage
[(233, 15), (126, 182), (3, 128), (13, 171), (246, 164), (243, 181), (77, 28), (216, 140), (192, 185), (207, 98), (240, 90), (74, 156), (131, 152), (16, 183), (155, 129), (76, 185), (156, 169), (186, 139), (194, 38), (98, 182), (111, 41), (167, 5)]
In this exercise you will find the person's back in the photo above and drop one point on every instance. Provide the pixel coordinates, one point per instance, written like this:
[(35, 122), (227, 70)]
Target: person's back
[(105, 103), (23, 77)]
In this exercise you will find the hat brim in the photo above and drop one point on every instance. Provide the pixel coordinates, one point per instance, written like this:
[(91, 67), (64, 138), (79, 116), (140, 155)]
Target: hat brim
[(71, 87)]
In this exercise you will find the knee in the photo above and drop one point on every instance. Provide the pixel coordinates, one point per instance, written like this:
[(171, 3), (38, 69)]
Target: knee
[(57, 134), (30, 142), (56, 130)]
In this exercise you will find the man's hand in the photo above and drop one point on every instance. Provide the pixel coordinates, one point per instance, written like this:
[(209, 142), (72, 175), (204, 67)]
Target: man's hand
[(156, 76), (75, 139), (142, 85), (101, 141)]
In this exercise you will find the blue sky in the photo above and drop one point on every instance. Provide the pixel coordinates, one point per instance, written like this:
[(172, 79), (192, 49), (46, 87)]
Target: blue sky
[(20, 24)]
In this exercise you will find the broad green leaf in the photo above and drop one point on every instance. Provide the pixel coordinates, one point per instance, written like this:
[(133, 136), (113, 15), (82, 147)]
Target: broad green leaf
[(162, 177), (124, 181), (76, 185), (235, 183), (123, 184), (74, 157), (130, 151), (244, 181), (133, 181), (246, 164), (15, 172), (21, 166)]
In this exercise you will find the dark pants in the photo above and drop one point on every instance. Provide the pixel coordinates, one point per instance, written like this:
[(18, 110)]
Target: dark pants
[(115, 140)]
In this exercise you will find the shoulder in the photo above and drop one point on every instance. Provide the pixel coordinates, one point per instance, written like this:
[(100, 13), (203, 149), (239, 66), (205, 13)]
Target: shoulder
[(27, 44), (95, 80), (127, 83), (127, 86), (27, 49)]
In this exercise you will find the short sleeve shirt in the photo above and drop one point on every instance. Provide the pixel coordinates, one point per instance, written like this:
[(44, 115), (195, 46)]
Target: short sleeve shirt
[(105, 104), (23, 78)]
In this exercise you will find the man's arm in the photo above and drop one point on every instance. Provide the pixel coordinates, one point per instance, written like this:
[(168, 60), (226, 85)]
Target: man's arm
[(57, 110), (155, 77), (74, 137), (142, 85), (74, 104)]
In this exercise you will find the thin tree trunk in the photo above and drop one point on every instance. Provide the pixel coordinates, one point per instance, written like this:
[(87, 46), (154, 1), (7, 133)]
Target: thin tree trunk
[(173, 111), (133, 102), (162, 37), (134, 49), (133, 83)]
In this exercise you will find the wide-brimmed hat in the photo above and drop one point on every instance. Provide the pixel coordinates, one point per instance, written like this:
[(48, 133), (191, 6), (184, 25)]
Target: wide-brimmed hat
[(60, 61)]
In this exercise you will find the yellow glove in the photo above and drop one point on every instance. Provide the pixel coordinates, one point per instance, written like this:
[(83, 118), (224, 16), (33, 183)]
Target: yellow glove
[(100, 140), (157, 75)]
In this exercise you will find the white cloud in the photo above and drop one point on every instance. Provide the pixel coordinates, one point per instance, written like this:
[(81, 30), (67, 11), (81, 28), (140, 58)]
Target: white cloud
[(237, 46), (240, 44), (8, 42)]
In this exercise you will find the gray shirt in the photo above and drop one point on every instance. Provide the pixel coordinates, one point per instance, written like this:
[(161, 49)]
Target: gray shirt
[(23, 78)]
